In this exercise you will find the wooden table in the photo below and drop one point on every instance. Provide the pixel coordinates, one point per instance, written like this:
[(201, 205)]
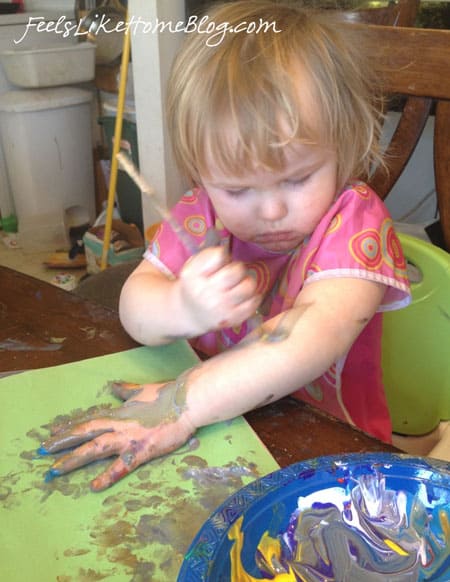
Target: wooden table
[(35, 315)]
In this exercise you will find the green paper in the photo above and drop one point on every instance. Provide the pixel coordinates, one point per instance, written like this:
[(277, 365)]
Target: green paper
[(140, 528)]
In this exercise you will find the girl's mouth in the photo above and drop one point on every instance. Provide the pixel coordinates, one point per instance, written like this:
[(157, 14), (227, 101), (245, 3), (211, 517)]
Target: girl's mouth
[(274, 237), (278, 241)]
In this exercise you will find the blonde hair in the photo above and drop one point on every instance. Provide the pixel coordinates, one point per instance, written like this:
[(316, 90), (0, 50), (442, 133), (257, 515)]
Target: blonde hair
[(240, 98)]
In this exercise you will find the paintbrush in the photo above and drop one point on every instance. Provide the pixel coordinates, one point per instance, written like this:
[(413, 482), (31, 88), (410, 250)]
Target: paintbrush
[(282, 329), (164, 213)]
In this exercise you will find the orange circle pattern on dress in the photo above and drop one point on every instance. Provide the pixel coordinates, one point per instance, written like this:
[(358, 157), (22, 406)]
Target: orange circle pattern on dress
[(261, 273), (309, 268), (362, 190), (392, 249), (189, 198), (335, 224), (366, 248), (195, 225)]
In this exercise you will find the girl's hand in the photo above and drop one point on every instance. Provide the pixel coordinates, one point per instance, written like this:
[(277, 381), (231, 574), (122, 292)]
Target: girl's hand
[(215, 291), (150, 423)]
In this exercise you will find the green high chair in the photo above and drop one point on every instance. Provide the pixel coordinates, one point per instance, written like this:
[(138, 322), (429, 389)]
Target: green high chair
[(416, 344)]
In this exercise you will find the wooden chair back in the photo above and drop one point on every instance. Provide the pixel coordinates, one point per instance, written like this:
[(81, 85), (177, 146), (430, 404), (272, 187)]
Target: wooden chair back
[(400, 13), (414, 63)]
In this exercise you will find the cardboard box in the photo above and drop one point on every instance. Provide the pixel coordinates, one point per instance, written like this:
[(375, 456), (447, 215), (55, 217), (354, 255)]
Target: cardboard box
[(127, 244)]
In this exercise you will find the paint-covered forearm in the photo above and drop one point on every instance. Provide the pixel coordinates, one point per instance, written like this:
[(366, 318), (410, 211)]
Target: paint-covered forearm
[(291, 351)]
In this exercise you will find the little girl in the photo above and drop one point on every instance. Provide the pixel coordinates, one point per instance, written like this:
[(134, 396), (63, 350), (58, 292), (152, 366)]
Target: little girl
[(272, 127)]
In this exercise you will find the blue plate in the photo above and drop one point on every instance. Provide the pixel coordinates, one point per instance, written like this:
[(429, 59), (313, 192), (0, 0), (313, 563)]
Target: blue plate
[(420, 486)]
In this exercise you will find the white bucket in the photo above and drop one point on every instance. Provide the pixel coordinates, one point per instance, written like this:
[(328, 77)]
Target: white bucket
[(47, 143)]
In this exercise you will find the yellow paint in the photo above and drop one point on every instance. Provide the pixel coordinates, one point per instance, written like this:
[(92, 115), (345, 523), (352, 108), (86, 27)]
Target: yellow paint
[(268, 547), (445, 524), (395, 547)]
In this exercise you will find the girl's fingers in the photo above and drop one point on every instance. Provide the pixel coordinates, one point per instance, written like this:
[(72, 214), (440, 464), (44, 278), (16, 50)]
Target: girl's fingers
[(128, 390), (102, 447), (230, 275), (134, 456), (63, 424), (242, 311), (206, 262), (70, 439), (245, 290), (120, 468), (125, 390), (250, 306)]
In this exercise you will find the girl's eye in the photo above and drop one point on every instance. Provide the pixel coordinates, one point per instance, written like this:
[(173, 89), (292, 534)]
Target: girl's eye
[(236, 192), (293, 182)]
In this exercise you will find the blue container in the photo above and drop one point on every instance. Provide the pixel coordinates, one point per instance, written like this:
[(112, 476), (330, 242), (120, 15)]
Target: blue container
[(268, 504)]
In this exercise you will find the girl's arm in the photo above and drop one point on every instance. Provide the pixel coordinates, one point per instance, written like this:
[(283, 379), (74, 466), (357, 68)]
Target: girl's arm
[(211, 291), (157, 419), (326, 319)]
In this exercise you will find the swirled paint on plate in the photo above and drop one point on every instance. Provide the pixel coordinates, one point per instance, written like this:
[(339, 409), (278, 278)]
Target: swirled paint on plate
[(365, 518)]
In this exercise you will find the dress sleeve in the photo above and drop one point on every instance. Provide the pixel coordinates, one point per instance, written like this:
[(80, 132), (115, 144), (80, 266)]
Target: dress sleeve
[(194, 215), (357, 239)]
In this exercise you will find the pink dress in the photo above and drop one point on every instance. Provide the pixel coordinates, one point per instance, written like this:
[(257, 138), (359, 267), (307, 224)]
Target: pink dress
[(355, 238)]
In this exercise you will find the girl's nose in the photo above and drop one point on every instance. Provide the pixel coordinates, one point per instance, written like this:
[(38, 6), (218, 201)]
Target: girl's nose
[(272, 207)]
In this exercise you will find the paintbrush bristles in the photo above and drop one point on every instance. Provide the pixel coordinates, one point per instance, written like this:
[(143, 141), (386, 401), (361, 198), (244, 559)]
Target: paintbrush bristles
[(132, 171), (138, 179), (162, 210)]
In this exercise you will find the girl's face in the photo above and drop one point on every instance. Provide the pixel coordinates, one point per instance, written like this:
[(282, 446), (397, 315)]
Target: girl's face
[(276, 210)]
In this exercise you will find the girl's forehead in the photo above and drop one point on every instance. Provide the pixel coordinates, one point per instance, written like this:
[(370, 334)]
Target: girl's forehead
[(299, 159)]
